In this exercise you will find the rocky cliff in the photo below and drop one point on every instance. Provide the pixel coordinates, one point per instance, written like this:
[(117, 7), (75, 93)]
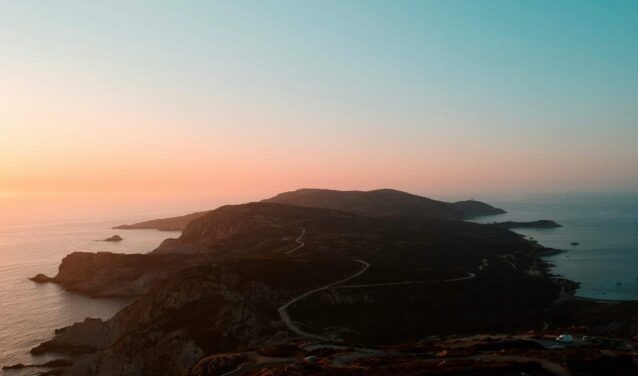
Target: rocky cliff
[(106, 274)]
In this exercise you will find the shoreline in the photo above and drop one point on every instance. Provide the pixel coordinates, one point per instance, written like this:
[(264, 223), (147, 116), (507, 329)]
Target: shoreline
[(546, 270), (533, 259), (570, 295), (604, 256)]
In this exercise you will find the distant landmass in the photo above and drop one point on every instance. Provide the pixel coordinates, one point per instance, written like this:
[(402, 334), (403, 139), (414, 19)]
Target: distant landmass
[(165, 224), (385, 202), (283, 287), (541, 224), (377, 203)]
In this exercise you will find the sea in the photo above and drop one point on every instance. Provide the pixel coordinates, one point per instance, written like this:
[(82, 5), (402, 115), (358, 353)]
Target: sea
[(33, 241), (605, 262), (604, 230)]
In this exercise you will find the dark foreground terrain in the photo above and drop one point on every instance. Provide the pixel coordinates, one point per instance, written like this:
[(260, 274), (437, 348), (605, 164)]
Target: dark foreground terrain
[(272, 289)]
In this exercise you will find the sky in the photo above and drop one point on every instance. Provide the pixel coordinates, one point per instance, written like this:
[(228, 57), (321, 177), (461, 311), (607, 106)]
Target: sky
[(249, 98)]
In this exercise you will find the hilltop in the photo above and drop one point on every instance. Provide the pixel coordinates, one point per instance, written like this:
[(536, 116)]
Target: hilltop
[(385, 202), (377, 203)]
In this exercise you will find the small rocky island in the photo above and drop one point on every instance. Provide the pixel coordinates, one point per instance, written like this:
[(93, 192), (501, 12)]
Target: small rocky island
[(114, 238)]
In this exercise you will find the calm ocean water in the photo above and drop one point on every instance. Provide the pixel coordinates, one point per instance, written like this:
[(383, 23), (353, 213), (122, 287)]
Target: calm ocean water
[(606, 261), (606, 228), (30, 312)]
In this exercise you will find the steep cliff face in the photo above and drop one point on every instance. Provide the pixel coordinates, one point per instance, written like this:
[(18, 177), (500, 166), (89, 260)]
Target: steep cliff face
[(82, 337)]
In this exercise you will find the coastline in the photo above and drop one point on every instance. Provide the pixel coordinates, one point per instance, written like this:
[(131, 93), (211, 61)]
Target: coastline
[(605, 228), (571, 293), (32, 312), (528, 259)]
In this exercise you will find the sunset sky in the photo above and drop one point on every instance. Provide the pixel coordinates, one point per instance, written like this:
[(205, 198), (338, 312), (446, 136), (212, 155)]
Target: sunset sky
[(255, 97)]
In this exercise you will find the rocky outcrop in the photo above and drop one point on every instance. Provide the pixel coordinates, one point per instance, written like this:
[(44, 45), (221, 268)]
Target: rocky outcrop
[(41, 278), (85, 337), (114, 238), (106, 274)]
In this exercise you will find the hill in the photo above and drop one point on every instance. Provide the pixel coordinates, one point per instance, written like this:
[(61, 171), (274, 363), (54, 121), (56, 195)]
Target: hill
[(385, 202), (378, 203)]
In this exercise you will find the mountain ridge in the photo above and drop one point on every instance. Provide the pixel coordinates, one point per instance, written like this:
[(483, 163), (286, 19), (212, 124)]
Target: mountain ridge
[(384, 202), (380, 202)]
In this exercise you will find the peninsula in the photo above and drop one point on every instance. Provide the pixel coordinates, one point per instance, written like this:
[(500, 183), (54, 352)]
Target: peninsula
[(265, 285)]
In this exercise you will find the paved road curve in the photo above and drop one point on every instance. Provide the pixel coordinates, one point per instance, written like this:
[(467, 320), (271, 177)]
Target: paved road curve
[(300, 244), (283, 310), (285, 317)]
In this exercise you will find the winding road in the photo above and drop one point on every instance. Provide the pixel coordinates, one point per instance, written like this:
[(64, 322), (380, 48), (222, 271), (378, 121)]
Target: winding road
[(285, 317), (484, 264), (283, 310), (300, 244)]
